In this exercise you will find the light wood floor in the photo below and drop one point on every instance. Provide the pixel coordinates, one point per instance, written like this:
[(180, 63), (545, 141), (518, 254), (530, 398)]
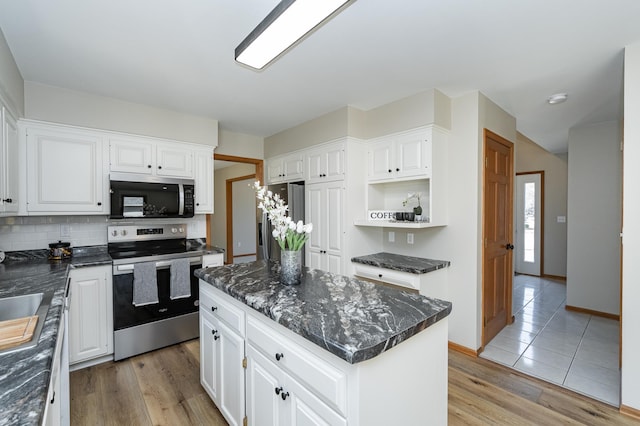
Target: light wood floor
[(163, 388)]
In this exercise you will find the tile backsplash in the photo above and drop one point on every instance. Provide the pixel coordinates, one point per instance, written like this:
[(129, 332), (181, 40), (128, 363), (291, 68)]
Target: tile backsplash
[(36, 232)]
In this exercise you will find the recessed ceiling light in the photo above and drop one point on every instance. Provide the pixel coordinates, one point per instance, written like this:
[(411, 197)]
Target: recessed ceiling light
[(558, 98)]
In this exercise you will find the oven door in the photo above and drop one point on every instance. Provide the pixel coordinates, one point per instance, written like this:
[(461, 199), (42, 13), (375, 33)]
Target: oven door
[(126, 315)]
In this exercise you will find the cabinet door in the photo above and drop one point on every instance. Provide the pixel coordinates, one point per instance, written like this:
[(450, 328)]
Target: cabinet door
[(381, 161), (411, 155), (264, 406), (203, 174), (208, 355), (174, 160), (131, 155), (293, 167), (275, 171), (304, 408), (332, 215), (90, 314), (9, 163), (316, 166), (334, 163), (65, 172), (314, 207), (231, 386)]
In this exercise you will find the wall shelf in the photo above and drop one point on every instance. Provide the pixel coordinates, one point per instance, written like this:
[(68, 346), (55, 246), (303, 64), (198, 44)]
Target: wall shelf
[(386, 224)]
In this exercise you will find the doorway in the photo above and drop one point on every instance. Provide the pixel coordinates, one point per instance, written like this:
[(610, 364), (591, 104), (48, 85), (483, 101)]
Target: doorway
[(529, 223), (224, 169), (497, 233)]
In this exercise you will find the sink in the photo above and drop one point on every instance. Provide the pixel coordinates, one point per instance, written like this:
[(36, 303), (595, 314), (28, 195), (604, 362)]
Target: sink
[(25, 306), (19, 306)]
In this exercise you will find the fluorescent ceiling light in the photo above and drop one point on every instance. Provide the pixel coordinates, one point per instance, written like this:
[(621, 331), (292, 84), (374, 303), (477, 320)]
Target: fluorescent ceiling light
[(286, 24)]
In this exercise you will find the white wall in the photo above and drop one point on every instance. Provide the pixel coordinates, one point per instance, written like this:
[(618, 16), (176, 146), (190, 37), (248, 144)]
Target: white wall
[(84, 109), (594, 208), (240, 144), (532, 157), (630, 394), (11, 82)]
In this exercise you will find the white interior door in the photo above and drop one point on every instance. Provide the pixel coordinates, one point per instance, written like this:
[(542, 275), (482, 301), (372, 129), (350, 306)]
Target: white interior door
[(528, 223), (244, 221)]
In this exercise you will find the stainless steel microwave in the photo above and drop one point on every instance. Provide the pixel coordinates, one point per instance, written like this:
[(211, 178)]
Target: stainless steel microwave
[(136, 196)]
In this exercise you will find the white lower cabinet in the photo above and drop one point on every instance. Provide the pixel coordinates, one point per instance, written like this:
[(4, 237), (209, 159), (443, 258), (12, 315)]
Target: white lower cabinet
[(222, 355), (90, 313), (275, 398), (287, 380)]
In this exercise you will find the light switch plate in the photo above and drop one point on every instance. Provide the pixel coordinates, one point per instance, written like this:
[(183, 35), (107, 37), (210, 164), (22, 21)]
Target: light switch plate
[(562, 219), (409, 238), (392, 237), (65, 230)]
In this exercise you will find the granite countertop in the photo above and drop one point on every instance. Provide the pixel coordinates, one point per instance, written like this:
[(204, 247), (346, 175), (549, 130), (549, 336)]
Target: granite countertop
[(398, 262), (353, 319), (25, 374)]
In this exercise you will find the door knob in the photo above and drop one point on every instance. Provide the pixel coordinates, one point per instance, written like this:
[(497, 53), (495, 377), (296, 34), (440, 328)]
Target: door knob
[(510, 246)]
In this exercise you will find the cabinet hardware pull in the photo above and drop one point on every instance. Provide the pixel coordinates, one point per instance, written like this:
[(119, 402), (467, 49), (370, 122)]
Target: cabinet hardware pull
[(159, 167), (148, 166), (216, 337), (278, 390), (8, 200), (379, 275), (99, 203), (284, 395), (213, 308), (397, 169), (390, 170), (279, 356), (53, 398)]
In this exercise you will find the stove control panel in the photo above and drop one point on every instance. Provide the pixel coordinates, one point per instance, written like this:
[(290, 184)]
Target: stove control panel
[(123, 233)]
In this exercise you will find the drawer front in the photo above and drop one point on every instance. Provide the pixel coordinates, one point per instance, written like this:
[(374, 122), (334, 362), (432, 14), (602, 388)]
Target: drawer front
[(323, 379), (403, 279), (214, 304)]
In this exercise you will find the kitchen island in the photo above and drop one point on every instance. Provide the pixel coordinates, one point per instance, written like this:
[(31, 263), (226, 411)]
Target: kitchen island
[(333, 349)]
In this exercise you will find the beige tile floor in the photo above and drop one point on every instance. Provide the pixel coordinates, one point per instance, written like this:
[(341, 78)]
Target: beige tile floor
[(574, 350)]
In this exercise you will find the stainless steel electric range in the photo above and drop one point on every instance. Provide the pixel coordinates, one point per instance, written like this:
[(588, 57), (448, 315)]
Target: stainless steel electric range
[(139, 329)]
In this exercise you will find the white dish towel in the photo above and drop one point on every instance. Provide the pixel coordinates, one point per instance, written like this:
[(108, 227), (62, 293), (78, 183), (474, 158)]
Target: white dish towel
[(180, 285)]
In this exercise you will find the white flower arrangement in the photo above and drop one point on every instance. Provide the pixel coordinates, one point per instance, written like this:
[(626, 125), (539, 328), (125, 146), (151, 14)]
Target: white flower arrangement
[(289, 234), (411, 196)]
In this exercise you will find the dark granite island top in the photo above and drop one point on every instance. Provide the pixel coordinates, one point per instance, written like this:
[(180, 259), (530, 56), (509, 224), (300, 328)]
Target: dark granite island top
[(25, 374), (398, 262), (353, 319)]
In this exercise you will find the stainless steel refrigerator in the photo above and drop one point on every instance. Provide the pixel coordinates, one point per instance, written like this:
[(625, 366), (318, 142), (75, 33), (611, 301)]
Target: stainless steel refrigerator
[(293, 195)]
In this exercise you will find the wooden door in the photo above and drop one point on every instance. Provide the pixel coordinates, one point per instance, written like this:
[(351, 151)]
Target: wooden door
[(498, 235)]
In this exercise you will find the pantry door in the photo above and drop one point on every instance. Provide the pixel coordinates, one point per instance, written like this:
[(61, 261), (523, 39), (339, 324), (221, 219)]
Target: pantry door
[(497, 269)]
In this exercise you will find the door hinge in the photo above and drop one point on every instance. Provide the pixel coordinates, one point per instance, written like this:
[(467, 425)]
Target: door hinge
[(484, 321), (245, 421), (244, 363), (486, 161)]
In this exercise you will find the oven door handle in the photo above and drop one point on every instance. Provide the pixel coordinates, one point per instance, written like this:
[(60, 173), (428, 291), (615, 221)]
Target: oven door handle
[(128, 268)]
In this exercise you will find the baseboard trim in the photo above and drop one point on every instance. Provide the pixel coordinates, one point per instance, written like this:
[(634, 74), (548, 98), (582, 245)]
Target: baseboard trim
[(463, 349), (592, 312), (555, 277), (89, 363), (629, 411)]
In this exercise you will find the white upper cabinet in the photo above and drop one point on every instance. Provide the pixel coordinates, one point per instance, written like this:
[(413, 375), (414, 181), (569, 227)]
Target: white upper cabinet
[(286, 168), (8, 164), (131, 154), (405, 155), (203, 175), (66, 170), (325, 164)]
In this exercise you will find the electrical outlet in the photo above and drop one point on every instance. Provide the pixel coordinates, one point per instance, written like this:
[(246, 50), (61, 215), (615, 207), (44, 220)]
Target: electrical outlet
[(409, 238), (392, 237), (65, 230)]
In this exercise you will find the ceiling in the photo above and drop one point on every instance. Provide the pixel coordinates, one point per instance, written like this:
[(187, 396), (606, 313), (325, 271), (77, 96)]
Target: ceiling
[(179, 55)]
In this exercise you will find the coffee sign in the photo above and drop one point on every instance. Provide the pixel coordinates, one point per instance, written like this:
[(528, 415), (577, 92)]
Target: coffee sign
[(380, 215)]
